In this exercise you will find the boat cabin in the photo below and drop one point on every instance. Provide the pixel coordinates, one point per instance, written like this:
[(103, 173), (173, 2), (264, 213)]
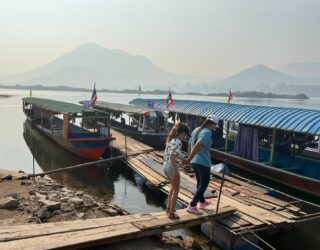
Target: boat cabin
[(146, 124), (66, 119)]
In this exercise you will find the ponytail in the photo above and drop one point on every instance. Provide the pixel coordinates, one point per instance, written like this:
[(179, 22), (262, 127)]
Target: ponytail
[(176, 130), (203, 125)]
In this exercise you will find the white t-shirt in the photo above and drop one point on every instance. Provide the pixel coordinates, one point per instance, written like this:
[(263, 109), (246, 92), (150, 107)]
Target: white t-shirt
[(173, 147)]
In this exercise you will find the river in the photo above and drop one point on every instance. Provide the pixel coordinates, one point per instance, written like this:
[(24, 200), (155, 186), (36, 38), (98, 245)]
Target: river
[(120, 185)]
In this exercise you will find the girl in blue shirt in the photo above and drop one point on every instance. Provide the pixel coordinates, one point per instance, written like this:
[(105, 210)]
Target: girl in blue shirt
[(200, 158)]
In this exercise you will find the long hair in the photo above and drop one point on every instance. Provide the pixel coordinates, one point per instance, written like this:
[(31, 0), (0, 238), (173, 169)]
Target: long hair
[(203, 125), (176, 130)]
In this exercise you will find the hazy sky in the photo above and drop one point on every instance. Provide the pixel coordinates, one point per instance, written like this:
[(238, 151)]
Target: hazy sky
[(205, 37)]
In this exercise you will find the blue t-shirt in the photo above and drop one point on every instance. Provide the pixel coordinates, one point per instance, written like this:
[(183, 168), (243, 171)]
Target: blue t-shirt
[(203, 157)]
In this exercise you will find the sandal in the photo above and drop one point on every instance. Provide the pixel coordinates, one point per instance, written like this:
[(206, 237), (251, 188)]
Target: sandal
[(173, 215), (168, 210)]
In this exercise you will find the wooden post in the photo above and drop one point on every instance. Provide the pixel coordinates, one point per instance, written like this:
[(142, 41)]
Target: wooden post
[(273, 144), (65, 126), (227, 137)]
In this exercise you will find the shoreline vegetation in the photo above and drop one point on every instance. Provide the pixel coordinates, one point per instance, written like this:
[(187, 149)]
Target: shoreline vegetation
[(5, 96), (248, 94)]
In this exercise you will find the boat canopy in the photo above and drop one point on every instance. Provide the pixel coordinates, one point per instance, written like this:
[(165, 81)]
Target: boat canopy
[(57, 106), (290, 119), (131, 109)]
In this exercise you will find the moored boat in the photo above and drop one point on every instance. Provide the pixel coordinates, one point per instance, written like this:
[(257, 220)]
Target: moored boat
[(146, 124), (71, 126), (269, 141)]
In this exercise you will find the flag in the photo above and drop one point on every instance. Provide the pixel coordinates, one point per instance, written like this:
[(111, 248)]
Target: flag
[(30, 93), (94, 96), (230, 96), (170, 101), (139, 89)]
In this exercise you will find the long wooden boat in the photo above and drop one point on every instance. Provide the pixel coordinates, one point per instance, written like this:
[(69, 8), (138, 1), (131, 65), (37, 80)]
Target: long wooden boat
[(145, 124), (63, 123), (279, 160)]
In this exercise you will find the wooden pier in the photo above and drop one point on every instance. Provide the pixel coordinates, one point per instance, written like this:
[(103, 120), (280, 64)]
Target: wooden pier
[(91, 232), (257, 210)]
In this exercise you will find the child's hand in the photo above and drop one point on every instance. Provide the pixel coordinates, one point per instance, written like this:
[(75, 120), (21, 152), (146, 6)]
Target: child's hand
[(185, 161)]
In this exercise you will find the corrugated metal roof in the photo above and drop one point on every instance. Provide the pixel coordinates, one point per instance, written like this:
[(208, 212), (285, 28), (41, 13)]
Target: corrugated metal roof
[(291, 119), (56, 106), (109, 106)]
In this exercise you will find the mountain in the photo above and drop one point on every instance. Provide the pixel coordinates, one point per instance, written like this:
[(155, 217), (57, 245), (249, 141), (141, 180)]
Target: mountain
[(302, 69), (258, 77), (108, 67)]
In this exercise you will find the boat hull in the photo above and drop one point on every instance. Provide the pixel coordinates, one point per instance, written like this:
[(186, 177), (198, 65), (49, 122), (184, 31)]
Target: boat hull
[(88, 148), (299, 182)]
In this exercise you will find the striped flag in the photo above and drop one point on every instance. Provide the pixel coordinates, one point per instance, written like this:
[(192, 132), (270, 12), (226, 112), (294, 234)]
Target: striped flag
[(94, 96), (170, 101)]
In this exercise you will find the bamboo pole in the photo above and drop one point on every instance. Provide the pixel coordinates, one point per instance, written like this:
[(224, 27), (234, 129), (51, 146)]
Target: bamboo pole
[(90, 163), (273, 145), (227, 138)]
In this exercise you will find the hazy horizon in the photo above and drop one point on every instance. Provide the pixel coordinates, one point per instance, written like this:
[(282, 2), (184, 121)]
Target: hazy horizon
[(213, 39)]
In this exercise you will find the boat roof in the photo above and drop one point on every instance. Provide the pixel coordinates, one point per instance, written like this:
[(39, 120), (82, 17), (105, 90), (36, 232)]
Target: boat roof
[(290, 119), (57, 106), (124, 108)]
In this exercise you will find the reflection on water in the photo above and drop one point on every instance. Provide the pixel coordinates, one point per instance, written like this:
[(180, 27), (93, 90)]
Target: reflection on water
[(114, 183)]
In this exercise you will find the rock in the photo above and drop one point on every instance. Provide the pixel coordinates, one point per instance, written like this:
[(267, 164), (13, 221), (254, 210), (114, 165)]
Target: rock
[(43, 192), (88, 204), (75, 200), (110, 211), (64, 199), (9, 203), (7, 177), (43, 214), (79, 193), (57, 186), (21, 172), (30, 218), (47, 178), (80, 215), (65, 190), (53, 197), (56, 212), (50, 205), (32, 192), (26, 183), (13, 195), (190, 243), (67, 207)]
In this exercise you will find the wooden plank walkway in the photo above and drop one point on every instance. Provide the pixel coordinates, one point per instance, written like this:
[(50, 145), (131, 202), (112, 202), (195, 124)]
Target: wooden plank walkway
[(256, 209), (91, 232)]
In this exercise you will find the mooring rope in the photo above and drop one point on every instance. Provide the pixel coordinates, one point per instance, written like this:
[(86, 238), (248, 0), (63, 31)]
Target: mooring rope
[(90, 163)]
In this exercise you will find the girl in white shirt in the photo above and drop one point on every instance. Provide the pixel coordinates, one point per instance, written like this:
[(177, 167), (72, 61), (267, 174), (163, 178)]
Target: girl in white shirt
[(173, 152)]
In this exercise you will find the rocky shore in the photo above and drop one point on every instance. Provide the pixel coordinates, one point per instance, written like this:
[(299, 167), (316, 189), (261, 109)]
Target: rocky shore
[(43, 200)]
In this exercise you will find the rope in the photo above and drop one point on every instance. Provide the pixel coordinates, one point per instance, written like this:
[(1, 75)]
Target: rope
[(90, 163), (245, 239), (262, 239)]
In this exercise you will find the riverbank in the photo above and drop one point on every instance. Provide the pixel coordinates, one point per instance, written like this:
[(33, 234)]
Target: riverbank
[(43, 200)]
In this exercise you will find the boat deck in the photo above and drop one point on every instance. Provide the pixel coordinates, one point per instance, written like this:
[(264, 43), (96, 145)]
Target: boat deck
[(91, 232), (258, 207)]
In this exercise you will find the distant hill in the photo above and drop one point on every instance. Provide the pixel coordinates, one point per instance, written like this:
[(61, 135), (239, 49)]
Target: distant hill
[(109, 67), (301, 69), (258, 77)]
